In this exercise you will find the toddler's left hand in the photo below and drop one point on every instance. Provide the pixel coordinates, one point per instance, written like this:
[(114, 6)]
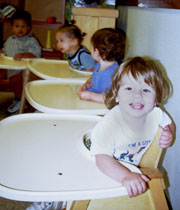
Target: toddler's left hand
[(166, 136), (20, 56)]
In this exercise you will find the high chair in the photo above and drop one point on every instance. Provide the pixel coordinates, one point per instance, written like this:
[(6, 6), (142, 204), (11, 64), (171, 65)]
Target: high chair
[(55, 69), (43, 68), (10, 64), (59, 97), (153, 198), (45, 160)]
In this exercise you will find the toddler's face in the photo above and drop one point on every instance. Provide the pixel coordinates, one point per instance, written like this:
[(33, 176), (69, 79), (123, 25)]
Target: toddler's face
[(135, 97), (64, 44), (20, 27)]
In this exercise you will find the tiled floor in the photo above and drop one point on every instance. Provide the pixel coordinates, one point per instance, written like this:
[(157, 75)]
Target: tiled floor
[(5, 100)]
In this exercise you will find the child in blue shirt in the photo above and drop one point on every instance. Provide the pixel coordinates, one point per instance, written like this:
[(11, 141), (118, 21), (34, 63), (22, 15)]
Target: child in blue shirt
[(20, 45), (108, 47)]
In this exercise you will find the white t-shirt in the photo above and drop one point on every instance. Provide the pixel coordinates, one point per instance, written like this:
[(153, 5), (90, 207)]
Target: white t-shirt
[(112, 136)]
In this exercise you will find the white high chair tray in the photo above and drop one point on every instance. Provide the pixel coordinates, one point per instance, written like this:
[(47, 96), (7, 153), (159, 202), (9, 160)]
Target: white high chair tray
[(42, 158), (52, 96), (10, 63), (55, 69)]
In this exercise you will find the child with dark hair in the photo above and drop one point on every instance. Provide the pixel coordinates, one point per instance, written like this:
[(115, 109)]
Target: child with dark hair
[(108, 48), (20, 45), (69, 38)]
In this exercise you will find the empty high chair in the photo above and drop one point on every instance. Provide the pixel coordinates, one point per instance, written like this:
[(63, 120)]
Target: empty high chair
[(52, 96)]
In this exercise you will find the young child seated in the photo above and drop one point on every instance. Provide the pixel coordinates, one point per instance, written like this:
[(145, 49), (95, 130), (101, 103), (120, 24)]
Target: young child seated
[(138, 90), (20, 45), (108, 47), (69, 39)]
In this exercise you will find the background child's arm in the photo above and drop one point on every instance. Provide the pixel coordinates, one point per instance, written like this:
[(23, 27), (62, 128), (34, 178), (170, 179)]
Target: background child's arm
[(91, 96), (20, 56), (167, 135), (89, 70), (1, 51), (134, 183), (86, 85)]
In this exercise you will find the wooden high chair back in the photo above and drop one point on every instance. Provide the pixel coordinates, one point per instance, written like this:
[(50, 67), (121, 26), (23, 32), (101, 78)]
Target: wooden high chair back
[(152, 156), (153, 198)]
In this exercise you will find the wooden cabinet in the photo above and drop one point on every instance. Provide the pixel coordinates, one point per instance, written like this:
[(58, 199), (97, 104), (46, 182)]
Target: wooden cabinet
[(92, 19)]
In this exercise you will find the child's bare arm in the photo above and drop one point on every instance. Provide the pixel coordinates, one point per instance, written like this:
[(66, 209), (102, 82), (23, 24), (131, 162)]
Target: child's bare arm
[(20, 56), (91, 96), (134, 183), (167, 135), (89, 70)]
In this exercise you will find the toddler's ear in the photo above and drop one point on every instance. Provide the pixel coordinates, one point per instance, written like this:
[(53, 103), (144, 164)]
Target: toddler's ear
[(75, 41)]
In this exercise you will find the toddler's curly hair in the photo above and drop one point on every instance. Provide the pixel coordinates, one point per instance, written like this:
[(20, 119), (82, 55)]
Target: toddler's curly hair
[(110, 43)]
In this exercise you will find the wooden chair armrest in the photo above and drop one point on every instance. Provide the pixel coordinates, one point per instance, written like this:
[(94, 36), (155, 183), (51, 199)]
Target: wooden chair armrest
[(152, 173)]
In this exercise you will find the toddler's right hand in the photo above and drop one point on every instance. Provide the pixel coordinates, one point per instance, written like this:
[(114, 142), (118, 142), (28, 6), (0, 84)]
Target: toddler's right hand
[(84, 95), (135, 184), (86, 85)]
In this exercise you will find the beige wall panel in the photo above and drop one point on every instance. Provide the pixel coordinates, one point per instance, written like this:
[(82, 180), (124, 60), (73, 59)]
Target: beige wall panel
[(88, 25), (95, 12), (107, 22)]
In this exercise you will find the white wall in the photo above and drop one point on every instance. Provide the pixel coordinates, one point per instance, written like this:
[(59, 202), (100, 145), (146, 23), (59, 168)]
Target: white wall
[(156, 32)]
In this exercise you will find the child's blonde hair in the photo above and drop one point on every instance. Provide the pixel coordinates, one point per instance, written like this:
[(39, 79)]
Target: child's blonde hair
[(110, 43), (153, 76), (72, 31)]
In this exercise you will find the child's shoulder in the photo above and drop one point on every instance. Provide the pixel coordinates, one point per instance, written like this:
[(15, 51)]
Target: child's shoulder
[(112, 115), (156, 112), (111, 121), (83, 51), (11, 37), (30, 38), (159, 116)]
